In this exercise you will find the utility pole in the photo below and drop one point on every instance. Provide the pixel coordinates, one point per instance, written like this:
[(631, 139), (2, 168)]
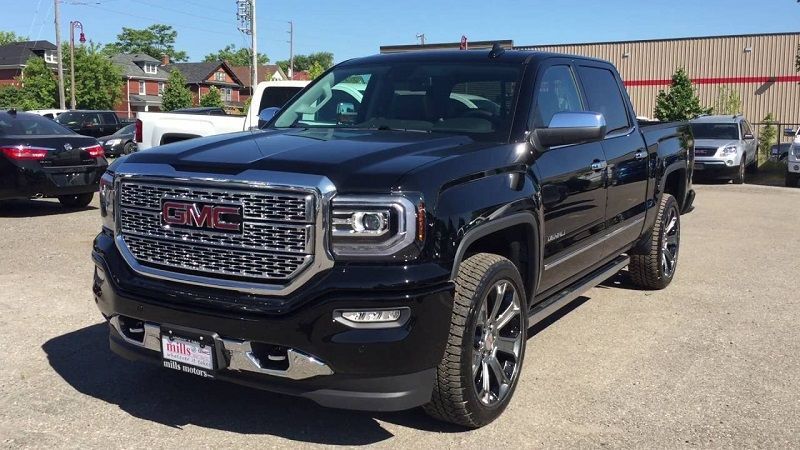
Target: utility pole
[(246, 15), (421, 37), (72, 27), (291, 50), (61, 100)]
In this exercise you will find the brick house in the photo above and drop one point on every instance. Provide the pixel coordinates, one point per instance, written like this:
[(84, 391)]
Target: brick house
[(267, 72), (14, 58), (201, 76), (145, 79)]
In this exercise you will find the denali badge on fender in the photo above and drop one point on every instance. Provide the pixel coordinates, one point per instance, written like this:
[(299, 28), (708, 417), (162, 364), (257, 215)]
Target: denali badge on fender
[(207, 216)]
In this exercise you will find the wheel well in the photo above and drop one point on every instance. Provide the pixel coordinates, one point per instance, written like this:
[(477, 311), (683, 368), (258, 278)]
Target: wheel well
[(675, 185), (169, 138), (514, 243)]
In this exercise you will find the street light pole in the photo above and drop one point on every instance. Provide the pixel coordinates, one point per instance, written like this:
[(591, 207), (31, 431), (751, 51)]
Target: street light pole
[(61, 100), (72, 26), (291, 50), (253, 45)]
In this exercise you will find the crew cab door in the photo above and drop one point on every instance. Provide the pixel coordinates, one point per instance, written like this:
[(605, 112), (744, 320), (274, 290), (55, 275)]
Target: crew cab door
[(572, 190), (626, 155), (749, 141)]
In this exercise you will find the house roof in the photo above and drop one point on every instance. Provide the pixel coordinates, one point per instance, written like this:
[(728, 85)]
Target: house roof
[(18, 53), (132, 65), (265, 72), (199, 72), (301, 75)]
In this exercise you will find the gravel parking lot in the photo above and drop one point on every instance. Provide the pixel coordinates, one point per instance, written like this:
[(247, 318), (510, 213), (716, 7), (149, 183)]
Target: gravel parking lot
[(712, 361)]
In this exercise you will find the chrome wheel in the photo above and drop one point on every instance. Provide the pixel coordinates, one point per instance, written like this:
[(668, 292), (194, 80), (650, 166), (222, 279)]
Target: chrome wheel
[(498, 343), (670, 243)]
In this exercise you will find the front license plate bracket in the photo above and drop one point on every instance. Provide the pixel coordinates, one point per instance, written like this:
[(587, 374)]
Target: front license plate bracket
[(191, 351)]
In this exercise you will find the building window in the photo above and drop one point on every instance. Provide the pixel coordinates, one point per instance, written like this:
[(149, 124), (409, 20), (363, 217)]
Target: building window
[(142, 90), (160, 88), (150, 68), (228, 94), (50, 57), (219, 76)]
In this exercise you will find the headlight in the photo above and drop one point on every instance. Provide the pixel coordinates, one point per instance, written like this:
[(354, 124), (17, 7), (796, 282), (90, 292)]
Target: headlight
[(382, 226), (795, 150), (107, 200), (729, 150), (113, 141)]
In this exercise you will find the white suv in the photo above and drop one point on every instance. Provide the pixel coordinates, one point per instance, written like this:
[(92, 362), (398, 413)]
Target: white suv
[(724, 147), (793, 162)]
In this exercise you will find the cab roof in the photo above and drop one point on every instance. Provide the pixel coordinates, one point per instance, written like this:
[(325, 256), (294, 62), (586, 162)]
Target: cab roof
[(466, 56), (718, 119)]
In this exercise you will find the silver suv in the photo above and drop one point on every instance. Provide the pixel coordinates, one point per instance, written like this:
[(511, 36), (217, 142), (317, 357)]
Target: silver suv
[(724, 147), (793, 161)]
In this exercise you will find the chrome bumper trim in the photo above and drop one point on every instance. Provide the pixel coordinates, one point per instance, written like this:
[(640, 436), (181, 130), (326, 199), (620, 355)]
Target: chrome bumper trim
[(242, 359)]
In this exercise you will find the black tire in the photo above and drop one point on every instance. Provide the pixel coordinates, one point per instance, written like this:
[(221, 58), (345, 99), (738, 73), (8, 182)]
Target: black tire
[(129, 148), (472, 355), (739, 178), (76, 201), (654, 270), (791, 179)]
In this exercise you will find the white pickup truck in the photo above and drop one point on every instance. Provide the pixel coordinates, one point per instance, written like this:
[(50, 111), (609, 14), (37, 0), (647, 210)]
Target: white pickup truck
[(157, 128)]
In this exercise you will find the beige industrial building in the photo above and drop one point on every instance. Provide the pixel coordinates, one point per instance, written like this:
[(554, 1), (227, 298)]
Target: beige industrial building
[(760, 67)]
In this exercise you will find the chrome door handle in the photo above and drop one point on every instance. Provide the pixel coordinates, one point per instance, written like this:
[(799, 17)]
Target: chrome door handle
[(599, 165), (640, 155)]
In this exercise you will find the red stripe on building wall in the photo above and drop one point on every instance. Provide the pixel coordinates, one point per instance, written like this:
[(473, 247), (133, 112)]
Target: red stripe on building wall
[(720, 80)]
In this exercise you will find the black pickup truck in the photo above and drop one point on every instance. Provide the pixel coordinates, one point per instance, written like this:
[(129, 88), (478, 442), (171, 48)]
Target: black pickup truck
[(389, 237)]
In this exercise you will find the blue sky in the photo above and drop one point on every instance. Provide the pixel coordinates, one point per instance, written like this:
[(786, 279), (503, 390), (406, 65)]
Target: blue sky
[(354, 28)]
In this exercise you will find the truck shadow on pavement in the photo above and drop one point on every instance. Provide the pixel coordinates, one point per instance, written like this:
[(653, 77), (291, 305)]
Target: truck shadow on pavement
[(36, 208), (82, 358)]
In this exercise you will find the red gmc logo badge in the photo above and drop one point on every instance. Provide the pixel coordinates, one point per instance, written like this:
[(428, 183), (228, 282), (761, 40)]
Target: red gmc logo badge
[(224, 218)]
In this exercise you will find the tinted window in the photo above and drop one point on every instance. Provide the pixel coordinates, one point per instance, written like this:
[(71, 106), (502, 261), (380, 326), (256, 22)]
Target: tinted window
[(109, 118), (70, 118), (276, 97), (715, 131), (746, 127), (30, 125), (557, 92), (127, 129), (604, 96)]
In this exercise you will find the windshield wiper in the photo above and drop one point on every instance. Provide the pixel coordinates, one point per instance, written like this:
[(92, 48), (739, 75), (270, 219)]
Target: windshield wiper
[(388, 128)]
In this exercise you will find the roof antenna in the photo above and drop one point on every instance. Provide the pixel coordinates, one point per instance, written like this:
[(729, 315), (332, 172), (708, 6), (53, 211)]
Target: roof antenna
[(496, 51)]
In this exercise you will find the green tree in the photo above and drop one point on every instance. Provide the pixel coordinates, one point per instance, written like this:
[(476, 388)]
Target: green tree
[(39, 86), (766, 139), (681, 102), (728, 101), (176, 95), (154, 40), (315, 70), (10, 97), (7, 37), (304, 62), (98, 81), (212, 98), (235, 56)]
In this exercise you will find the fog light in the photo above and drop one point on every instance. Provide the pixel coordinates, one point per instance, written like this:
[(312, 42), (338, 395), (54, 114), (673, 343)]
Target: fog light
[(796, 168), (377, 318), (729, 162)]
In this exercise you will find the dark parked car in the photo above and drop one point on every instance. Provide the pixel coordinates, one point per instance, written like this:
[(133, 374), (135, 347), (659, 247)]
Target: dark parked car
[(40, 158), (120, 143), (392, 249), (91, 123)]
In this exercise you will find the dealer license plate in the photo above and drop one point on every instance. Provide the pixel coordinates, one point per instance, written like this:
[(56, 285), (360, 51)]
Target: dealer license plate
[(190, 355)]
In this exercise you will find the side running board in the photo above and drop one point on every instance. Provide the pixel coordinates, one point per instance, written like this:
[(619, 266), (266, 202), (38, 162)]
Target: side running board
[(566, 295)]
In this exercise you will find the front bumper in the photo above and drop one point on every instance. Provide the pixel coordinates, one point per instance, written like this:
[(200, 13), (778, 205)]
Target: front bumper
[(715, 168), (328, 362), (793, 166)]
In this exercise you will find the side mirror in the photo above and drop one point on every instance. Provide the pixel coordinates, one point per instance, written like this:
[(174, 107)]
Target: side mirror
[(748, 136), (572, 128), (266, 115), (346, 113)]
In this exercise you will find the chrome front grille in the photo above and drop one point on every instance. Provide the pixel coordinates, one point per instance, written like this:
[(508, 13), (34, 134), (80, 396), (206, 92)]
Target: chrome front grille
[(705, 151), (275, 244)]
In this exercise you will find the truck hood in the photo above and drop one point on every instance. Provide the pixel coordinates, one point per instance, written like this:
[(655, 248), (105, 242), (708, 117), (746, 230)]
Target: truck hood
[(354, 160), (714, 142)]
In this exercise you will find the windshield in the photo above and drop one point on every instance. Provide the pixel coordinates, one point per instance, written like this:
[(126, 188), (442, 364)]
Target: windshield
[(127, 129), (69, 117), (473, 99), (715, 131), (31, 125)]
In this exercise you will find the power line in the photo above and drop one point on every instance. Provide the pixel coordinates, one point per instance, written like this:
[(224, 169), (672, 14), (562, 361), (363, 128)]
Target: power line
[(152, 19), (213, 19)]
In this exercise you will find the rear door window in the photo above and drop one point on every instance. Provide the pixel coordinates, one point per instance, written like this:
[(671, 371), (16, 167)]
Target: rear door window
[(604, 96), (108, 118)]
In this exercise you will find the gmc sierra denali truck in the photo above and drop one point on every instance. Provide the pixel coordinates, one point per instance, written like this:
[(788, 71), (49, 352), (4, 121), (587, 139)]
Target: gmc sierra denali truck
[(391, 248)]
